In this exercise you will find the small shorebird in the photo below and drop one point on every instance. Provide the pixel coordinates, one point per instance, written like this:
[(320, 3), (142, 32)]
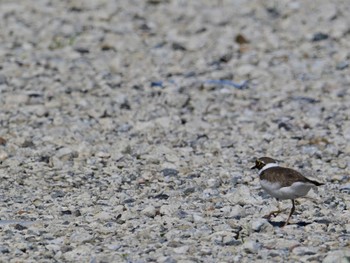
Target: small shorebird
[(282, 183)]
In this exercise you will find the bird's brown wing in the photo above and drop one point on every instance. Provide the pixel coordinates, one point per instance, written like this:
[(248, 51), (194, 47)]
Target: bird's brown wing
[(285, 176)]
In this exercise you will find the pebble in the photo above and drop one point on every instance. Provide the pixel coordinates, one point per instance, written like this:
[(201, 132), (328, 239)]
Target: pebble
[(4, 250), (66, 154), (198, 219), (170, 172), (2, 79), (345, 188), (341, 256), (251, 246), (342, 65), (181, 250), (3, 155), (302, 251), (81, 236), (242, 196), (262, 225), (150, 211), (237, 212), (214, 183), (342, 164), (168, 210), (319, 37), (103, 155), (104, 216)]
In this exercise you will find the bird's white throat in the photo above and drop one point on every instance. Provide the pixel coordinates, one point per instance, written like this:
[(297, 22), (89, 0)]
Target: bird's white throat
[(267, 166)]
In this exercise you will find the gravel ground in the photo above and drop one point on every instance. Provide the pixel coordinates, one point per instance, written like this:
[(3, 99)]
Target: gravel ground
[(128, 129)]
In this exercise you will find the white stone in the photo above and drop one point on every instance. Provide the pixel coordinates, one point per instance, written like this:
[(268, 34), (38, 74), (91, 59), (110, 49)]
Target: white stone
[(149, 211), (262, 225), (251, 246)]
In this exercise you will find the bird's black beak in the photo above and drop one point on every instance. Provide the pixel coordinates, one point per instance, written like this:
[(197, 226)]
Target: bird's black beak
[(254, 167)]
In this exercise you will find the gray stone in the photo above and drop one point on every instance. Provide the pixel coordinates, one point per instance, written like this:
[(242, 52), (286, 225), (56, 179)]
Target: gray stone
[(262, 225), (170, 172), (149, 211), (251, 246), (342, 65), (81, 236)]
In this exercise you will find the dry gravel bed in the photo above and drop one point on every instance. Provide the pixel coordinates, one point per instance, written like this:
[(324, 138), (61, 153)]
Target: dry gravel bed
[(124, 137)]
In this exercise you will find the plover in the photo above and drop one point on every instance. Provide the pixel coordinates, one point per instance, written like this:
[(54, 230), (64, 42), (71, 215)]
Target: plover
[(282, 183)]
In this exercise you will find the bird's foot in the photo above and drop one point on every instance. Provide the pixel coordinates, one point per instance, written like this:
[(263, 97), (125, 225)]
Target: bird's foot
[(273, 213)]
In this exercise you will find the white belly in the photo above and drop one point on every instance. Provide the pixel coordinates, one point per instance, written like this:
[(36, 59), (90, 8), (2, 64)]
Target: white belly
[(291, 192)]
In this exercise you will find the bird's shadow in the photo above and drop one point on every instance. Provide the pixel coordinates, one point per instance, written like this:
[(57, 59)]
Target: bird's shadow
[(281, 223)]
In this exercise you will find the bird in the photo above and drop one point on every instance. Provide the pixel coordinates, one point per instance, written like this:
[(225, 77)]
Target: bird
[(282, 183)]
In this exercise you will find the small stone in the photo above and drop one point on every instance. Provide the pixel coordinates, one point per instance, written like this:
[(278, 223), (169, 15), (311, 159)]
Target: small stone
[(55, 162), (242, 196), (237, 258), (20, 227), (2, 141), (4, 250), (81, 50), (304, 251), (235, 179), (237, 212), (170, 172), (103, 155), (285, 126), (345, 188), (149, 211), (103, 216), (189, 190), (319, 37), (294, 5), (206, 251), (53, 247), (28, 144), (230, 240), (168, 210), (213, 183), (66, 212), (178, 46), (342, 65), (261, 225), (3, 155), (181, 250), (251, 246), (309, 149), (161, 196), (341, 256), (3, 79), (124, 127), (210, 193), (58, 194), (241, 39), (166, 260), (245, 70), (77, 213), (114, 246), (66, 154), (40, 111), (197, 218), (342, 164), (80, 236)]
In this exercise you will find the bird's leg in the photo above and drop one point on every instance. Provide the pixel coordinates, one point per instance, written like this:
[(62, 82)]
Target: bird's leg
[(274, 213), (291, 212)]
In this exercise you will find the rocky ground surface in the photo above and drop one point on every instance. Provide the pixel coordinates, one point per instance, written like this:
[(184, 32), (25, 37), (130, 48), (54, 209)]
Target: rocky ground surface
[(128, 129)]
